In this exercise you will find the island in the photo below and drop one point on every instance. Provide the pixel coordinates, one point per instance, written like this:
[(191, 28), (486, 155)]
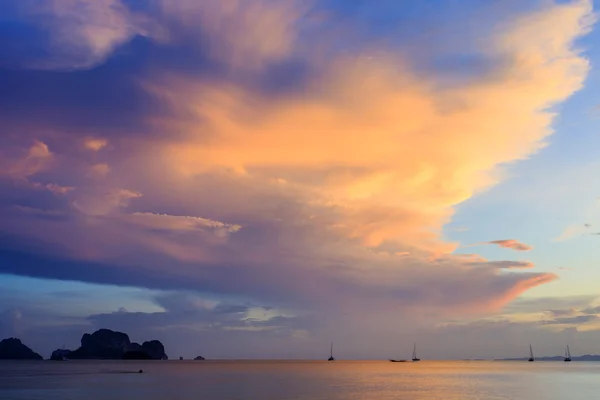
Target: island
[(199, 358), (14, 349), (60, 355), (105, 344)]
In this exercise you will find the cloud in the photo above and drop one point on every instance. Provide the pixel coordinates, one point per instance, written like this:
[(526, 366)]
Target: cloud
[(327, 196), (84, 33), (591, 311), (511, 244), (505, 264), (180, 223), (553, 304), (242, 34), (102, 201), (95, 144), (20, 164), (576, 311), (52, 187), (576, 320), (562, 313), (572, 231), (99, 170), (380, 187)]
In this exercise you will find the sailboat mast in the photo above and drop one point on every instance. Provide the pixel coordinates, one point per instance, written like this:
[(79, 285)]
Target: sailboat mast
[(331, 350)]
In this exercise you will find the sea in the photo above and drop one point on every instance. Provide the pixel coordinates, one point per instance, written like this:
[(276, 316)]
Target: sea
[(299, 380)]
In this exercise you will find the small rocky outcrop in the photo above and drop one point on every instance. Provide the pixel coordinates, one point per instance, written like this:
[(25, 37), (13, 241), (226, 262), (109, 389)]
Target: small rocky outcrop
[(199, 358), (60, 355), (13, 349)]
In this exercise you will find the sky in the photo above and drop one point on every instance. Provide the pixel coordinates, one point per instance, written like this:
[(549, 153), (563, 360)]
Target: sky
[(259, 178)]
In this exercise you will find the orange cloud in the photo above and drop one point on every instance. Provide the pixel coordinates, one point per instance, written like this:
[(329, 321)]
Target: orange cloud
[(375, 141), (520, 287), (511, 244), (37, 158), (95, 144)]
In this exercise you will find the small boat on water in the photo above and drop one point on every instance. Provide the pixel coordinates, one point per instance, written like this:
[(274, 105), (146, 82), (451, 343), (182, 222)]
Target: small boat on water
[(531, 358), (567, 354), (391, 360), (414, 356), (331, 354)]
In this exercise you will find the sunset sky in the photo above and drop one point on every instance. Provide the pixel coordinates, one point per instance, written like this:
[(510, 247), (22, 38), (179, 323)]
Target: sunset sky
[(258, 178)]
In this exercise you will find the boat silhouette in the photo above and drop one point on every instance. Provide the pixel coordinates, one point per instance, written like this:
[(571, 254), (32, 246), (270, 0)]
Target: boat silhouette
[(414, 356), (531, 358)]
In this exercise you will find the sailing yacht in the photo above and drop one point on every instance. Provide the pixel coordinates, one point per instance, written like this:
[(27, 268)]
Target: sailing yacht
[(331, 354), (531, 358), (414, 357), (567, 354)]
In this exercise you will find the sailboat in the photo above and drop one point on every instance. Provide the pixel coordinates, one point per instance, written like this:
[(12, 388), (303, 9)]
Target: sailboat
[(331, 354), (567, 354), (414, 357), (531, 359)]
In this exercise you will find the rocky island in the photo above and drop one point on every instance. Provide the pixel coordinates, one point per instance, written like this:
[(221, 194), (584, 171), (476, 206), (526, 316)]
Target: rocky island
[(13, 349), (105, 344)]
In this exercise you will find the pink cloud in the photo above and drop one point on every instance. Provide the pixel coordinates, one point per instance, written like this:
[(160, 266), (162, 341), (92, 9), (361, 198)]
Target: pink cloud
[(511, 244)]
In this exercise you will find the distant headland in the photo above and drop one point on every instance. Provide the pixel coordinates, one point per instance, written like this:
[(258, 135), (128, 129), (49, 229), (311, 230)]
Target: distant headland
[(585, 357)]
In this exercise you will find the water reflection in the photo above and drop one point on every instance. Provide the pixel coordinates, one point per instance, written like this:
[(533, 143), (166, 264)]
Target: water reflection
[(269, 380)]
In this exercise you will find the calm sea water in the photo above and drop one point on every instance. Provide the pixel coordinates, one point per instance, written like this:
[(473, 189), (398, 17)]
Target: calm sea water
[(299, 380)]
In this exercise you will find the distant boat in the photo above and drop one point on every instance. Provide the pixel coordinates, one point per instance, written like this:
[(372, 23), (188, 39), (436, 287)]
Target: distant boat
[(331, 354), (567, 354), (414, 357), (531, 358), (392, 360)]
